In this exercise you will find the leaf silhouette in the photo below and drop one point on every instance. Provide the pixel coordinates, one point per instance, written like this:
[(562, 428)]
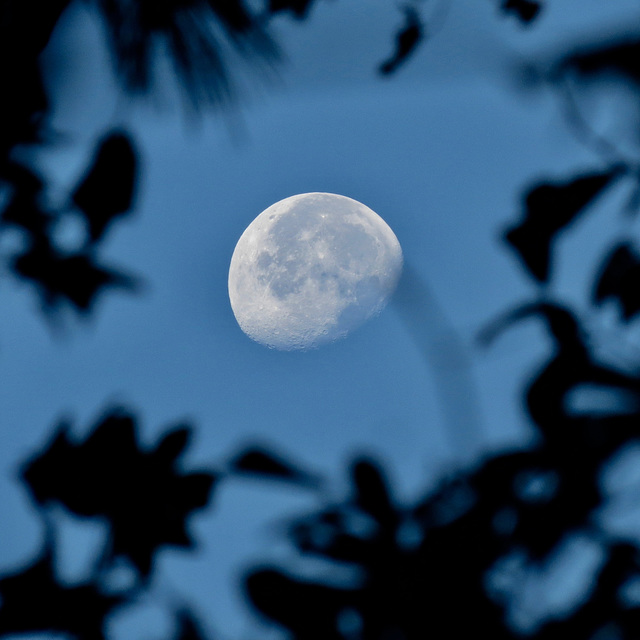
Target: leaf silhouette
[(262, 462), (25, 103), (188, 626), (307, 609), (320, 536), (142, 493), (619, 279), (525, 10), (24, 208), (604, 611), (24, 33), (622, 57), (172, 445), (549, 208), (34, 601), (107, 190), (570, 365), (404, 591), (76, 278), (372, 493), (299, 8), (407, 39), (59, 276), (190, 31), (19, 28)]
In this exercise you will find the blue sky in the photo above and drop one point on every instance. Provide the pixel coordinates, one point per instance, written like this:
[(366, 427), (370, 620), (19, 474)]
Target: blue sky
[(441, 151)]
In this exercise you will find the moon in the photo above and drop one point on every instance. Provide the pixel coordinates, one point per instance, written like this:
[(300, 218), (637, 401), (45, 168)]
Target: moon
[(310, 269)]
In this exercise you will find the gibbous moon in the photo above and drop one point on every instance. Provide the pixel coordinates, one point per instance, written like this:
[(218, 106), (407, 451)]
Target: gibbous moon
[(310, 269)]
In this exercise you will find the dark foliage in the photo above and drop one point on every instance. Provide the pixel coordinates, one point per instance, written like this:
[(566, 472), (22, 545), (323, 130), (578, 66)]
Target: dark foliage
[(299, 8), (107, 190), (74, 278), (525, 10), (25, 29), (188, 626), (619, 57), (413, 566), (34, 600), (618, 280), (260, 462), (410, 575), (406, 41), (186, 28), (141, 493), (60, 275), (143, 497), (429, 569), (425, 569), (198, 35), (549, 208)]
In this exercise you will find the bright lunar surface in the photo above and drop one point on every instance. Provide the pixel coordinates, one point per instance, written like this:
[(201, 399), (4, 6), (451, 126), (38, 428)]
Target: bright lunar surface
[(310, 268)]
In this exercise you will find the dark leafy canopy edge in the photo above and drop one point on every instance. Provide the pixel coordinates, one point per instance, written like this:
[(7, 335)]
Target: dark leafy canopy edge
[(196, 34), (34, 600), (525, 10), (550, 207), (261, 462), (74, 277), (618, 279), (538, 482), (142, 494)]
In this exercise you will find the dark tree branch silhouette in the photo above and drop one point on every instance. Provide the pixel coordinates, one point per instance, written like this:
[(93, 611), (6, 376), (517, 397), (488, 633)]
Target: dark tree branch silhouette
[(435, 567)]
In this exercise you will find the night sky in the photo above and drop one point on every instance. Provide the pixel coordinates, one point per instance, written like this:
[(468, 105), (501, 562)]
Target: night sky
[(441, 150)]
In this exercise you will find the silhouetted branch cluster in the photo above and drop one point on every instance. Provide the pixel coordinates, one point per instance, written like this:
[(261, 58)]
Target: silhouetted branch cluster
[(525, 10), (60, 274), (190, 30), (437, 568), (143, 496), (415, 29), (197, 36), (446, 565), (431, 568)]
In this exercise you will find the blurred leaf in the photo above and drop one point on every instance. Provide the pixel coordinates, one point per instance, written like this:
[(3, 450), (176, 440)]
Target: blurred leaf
[(306, 609), (188, 626), (407, 39), (107, 190), (32, 600), (549, 208), (332, 534), (603, 613), (621, 57), (525, 10), (172, 444), (262, 462), (25, 29), (372, 493), (76, 278), (28, 24), (398, 589), (619, 279), (24, 103), (142, 493), (24, 209), (570, 366), (189, 30), (299, 8)]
